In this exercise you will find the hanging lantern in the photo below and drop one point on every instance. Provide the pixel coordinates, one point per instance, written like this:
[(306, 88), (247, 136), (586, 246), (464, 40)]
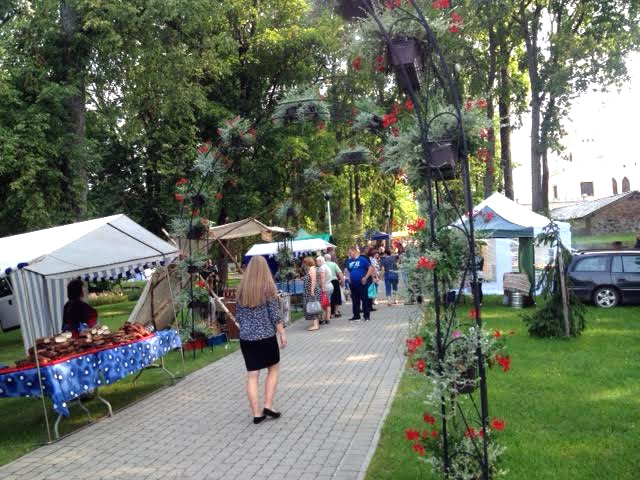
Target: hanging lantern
[(404, 55)]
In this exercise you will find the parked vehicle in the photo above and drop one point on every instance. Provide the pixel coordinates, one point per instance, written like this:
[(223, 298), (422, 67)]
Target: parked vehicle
[(606, 278)]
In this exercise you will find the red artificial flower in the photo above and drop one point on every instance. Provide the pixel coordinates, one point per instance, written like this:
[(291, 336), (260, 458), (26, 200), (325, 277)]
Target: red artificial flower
[(481, 103), (497, 334), (484, 133), (408, 104), (179, 197), (418, 341), (426, 418), (427, 264), (440, 4), (418, 448), (204, 148), (471, 432), (483, 153), (420, 365), (454, 28), (468, 105), (201, 284), (357, 63), (395, 132), (417, 226), (380, 63), (388, 120), (497, 424), (196, 212), (411, 345), (456, 18), (434, 434), (473, 314), (425, 434), (411, 434), (182, 181), (219, 196), (396, 109), (504, 362)]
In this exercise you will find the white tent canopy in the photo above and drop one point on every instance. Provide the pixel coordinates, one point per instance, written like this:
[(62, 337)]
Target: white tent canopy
[(299, 247), (243, 228), (40, 264), (502, 220)]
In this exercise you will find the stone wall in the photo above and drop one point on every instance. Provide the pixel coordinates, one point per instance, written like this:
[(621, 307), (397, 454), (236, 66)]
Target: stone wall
[(620, 217)]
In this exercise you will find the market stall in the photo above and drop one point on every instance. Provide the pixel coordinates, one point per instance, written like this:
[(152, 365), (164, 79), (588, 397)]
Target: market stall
[(39, 265), (510, 231)]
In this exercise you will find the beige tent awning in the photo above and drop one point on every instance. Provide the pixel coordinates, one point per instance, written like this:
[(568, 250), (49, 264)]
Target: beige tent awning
[(243, 228)]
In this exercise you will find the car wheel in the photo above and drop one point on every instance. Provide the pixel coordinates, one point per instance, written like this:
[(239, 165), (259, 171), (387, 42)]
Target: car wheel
[(606, 297)]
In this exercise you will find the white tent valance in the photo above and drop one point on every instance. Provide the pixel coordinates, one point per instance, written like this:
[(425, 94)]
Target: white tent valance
[(299, 247), (101, 248), (240, 229)]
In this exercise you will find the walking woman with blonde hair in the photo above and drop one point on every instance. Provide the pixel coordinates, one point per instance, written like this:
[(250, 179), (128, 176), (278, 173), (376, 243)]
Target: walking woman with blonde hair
[(258, 315)]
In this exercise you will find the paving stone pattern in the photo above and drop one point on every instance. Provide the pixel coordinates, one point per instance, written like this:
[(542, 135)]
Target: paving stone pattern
[(335, 388)]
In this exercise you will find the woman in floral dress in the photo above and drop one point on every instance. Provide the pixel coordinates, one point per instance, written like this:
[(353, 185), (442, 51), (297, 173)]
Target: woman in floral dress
[(312, 291)]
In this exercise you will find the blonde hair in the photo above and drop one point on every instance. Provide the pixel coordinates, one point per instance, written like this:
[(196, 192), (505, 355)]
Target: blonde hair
[(257, 285), (320, 260)]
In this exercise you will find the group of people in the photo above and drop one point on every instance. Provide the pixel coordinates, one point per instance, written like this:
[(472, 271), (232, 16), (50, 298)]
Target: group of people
[(259, 318)]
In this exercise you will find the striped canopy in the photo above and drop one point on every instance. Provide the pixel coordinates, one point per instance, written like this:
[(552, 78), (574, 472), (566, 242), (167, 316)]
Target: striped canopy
[(40, 265)]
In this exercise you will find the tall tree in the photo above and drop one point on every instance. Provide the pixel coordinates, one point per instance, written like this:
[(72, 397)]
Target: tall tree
[(570, 46)]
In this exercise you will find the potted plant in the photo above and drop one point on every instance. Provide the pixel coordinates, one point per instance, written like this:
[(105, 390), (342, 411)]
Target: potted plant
[(198, 200), (404, 55), (441, 160), (197, 231), (353, 9), (353, 155)]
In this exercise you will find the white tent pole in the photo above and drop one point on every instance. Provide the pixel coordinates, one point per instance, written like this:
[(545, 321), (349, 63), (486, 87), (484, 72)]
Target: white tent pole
[(35, 350)]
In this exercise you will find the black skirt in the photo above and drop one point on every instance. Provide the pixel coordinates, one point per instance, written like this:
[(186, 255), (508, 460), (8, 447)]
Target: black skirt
[(259, 354), (336, 295)]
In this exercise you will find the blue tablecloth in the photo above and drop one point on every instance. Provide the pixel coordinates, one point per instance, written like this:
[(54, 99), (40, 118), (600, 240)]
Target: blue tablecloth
[(67, 380)]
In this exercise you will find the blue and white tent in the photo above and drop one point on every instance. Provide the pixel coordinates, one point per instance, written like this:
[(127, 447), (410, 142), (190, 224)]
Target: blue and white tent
[(40, 264)]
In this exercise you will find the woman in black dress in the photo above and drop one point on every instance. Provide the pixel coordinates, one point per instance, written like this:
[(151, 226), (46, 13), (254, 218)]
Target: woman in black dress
[(258, 315)]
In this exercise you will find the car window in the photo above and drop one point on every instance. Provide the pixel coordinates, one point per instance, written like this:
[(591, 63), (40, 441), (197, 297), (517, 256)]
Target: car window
[(616, 265), (631, 264), (592, 264)]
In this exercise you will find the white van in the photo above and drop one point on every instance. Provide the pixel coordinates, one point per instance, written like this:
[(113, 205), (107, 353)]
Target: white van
[(9, 318)]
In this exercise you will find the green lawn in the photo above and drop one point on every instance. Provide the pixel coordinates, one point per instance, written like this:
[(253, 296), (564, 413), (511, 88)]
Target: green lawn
[(572, 408), (603, 241), (22, 420)]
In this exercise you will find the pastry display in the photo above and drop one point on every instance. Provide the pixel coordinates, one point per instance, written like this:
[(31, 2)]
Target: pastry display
[(53, 348)]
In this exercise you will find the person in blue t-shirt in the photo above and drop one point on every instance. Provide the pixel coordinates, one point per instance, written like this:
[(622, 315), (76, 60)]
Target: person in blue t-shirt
[(361, 274)]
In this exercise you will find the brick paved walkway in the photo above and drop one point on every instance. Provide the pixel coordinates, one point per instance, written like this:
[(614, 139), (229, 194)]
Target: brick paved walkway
[(336, 385)]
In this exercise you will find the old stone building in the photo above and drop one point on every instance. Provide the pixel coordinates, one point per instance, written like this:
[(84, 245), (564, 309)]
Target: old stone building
[(616, 214)]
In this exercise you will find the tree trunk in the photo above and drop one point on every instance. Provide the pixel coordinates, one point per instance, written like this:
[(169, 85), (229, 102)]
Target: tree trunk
[(545, 182), (357, 201), (530, 34), (491, 139), (504, 111), (73, 74)]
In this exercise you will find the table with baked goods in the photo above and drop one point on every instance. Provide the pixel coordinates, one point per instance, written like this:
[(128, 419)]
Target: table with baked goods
[(76, 366)]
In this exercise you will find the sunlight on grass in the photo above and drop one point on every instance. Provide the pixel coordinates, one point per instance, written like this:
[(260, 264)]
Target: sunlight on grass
[(571, 407)]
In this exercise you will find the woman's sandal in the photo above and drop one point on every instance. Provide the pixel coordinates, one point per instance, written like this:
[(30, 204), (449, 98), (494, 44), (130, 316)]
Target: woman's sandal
[(257, 420), (312, 329)]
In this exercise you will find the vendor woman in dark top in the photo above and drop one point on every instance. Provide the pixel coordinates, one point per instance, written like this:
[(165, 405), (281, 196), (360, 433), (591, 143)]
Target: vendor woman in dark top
[(77, 313), (258, 315)]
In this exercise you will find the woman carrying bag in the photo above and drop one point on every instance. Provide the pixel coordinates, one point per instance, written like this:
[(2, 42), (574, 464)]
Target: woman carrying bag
[(258, 315), (312, 293)]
